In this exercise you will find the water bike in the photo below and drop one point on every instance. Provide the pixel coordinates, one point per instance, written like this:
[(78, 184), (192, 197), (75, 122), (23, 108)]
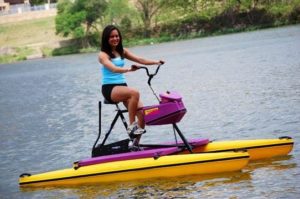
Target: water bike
[(119, 162)]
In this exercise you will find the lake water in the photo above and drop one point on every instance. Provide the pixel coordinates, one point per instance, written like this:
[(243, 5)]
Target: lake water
[(237, 86)]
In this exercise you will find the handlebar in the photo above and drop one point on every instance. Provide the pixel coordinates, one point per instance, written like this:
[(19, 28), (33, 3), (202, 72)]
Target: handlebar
[(147, 71)]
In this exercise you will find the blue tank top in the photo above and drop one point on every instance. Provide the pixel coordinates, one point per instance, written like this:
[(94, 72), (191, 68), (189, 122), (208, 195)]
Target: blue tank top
[(109, 77)]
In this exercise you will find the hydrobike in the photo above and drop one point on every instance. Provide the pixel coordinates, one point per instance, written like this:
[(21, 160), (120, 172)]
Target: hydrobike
[(119, 162)]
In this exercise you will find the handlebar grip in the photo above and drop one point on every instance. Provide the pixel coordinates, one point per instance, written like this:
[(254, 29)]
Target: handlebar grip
[(147, 70)]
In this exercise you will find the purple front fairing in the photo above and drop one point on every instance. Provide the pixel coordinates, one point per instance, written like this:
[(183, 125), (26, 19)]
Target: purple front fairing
[(139, 154), (166, 113), (170, 110)]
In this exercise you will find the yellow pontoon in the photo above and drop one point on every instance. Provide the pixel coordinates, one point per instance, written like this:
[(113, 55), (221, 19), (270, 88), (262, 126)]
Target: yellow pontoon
[(257, 148), (165, 166)]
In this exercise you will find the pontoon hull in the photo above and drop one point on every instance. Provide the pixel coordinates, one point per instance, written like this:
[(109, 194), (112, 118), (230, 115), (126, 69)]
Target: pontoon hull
[(166, 166), (257, 149)]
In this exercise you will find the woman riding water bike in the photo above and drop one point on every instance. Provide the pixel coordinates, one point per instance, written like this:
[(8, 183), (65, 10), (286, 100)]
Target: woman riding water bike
[(114, 87)]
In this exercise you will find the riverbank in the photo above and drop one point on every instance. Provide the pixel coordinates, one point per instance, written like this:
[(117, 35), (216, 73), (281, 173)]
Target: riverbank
[(44, 42), (36, 38)]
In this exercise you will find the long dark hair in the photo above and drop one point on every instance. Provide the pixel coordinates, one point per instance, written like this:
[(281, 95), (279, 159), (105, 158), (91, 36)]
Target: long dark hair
[(105, 47)]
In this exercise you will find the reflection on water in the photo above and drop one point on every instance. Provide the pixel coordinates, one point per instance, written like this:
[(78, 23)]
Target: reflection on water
[(276, 163), (272, 175), (235, 86)]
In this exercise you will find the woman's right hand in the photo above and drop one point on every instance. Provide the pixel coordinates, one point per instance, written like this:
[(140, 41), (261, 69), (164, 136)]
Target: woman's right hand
[(134, 67)]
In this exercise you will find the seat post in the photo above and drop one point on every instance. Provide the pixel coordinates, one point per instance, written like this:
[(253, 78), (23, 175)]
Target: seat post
[(118, 114)]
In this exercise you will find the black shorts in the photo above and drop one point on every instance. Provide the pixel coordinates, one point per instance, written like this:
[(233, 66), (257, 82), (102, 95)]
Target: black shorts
[(107, 89)]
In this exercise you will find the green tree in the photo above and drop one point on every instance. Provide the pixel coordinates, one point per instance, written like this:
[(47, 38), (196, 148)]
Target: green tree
[(117, 10), (77, 18), (120, 13), (148, 9)]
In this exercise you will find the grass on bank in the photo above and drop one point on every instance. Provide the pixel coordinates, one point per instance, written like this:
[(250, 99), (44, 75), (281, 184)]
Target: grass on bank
[(19, 55), (29, 32), (28, 37)]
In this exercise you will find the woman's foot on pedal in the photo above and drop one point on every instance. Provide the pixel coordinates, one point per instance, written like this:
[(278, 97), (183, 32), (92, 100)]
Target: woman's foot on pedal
[(133, 130)]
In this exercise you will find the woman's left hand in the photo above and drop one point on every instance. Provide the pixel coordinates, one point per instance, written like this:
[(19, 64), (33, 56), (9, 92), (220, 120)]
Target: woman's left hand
[(161, 62)]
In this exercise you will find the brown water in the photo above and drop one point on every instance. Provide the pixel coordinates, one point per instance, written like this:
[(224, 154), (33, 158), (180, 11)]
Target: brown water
[(238, 86)]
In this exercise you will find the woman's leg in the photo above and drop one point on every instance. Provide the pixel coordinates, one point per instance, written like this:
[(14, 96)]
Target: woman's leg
[(130, 97), (140, 116)]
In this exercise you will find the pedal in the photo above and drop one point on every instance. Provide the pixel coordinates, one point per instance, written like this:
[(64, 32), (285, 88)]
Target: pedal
[(134, 143)]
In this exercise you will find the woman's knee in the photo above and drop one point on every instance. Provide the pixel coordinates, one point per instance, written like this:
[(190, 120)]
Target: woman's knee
[(134, 93), (122, 93)]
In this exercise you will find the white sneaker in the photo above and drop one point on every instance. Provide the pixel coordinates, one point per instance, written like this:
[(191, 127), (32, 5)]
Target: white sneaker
[(139, 131), (131, 129), (134, 130)]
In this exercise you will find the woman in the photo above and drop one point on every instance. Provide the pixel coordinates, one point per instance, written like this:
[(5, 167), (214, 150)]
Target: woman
[(114, 87)]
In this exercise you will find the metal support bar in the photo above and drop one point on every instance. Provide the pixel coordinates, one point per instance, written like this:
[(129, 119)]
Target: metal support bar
[(120, 112), (186, 143), (110, 129)]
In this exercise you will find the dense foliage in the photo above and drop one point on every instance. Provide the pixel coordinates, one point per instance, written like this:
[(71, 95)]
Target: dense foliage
[(78, 18), (170, 19)]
